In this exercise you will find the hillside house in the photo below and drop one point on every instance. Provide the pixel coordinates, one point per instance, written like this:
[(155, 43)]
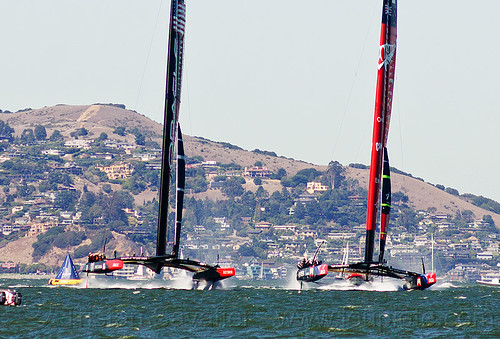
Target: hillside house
[(16, 209), (246, 220), (146, 156), (340, 235), (307, 233), (421, 240), (120, 145), (263, 225), (256, 172), (305, 197), (79, 143), (55, 152), (69, 168), (9, 267), (356, 200), (39, 228), (485, 256), (209, 164), (121, 170), (285, 228), (313, 186)]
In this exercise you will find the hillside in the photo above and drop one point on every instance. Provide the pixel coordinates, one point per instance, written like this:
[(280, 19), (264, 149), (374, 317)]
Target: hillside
[(423, 196), (99, 118)]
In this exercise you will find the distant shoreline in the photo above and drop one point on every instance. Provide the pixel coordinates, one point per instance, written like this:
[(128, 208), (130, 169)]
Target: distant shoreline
[(24, 276)]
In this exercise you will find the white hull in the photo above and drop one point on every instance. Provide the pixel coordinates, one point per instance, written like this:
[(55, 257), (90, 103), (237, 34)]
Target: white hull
[(494, 282)]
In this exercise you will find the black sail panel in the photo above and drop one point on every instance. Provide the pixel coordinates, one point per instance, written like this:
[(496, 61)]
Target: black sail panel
[(386, 204), (181, 182), (171, 114)]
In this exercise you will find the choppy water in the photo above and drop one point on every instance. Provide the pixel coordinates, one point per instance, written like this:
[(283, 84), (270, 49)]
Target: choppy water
[(248, 309)]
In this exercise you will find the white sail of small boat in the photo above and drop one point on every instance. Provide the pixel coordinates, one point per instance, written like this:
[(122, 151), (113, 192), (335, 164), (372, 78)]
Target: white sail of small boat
[(345, 261), (139, 274)]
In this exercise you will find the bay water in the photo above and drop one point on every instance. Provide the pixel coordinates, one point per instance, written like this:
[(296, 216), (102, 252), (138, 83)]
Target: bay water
[(247, 309)]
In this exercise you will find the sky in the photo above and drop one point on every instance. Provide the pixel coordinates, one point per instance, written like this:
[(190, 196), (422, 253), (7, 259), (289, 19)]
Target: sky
[(293, 77)]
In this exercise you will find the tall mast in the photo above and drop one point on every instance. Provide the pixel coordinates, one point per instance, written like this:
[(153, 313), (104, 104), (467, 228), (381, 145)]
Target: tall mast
[(383, 105), (171, 114)]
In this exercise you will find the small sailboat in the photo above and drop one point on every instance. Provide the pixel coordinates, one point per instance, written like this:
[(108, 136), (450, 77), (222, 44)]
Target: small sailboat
[(379, 179), (139, 275), (67, 275), (172, 140), (345, 261)]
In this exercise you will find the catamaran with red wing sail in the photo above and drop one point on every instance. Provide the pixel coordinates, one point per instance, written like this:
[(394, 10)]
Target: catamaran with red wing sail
[(379, 187), (172, 137)]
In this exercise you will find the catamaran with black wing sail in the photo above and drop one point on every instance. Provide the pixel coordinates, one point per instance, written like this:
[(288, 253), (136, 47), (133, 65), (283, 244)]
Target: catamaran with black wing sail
[(172, 140)]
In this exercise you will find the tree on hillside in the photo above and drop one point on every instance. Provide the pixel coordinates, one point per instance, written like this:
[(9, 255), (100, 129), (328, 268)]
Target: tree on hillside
[(66, 200), (56, 136), (25, 190), (79, 132), (301, 178), (261, 194), (452, 191), (233, 187), (335, 174), (6, 131), (140, 139), (59, 178), (120, 131), (488, 219), (103, 136), (40, 132), (28, 137), (279, 175)]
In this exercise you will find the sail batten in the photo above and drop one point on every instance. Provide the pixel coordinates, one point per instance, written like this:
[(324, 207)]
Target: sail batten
[(382, 115), (171, 115)]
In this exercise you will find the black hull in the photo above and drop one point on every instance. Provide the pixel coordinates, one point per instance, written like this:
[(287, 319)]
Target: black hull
[(312, 273), (413, 280), (201, 270)]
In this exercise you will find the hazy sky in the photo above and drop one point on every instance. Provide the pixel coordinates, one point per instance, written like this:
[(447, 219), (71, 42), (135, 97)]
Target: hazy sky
[(289, 76)]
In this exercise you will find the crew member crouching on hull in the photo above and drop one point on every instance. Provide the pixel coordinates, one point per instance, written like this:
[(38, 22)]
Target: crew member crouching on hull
[(95, 257)]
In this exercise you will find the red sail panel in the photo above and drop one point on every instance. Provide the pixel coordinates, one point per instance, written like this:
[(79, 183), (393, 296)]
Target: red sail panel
[(171, 114), (383, 105)]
